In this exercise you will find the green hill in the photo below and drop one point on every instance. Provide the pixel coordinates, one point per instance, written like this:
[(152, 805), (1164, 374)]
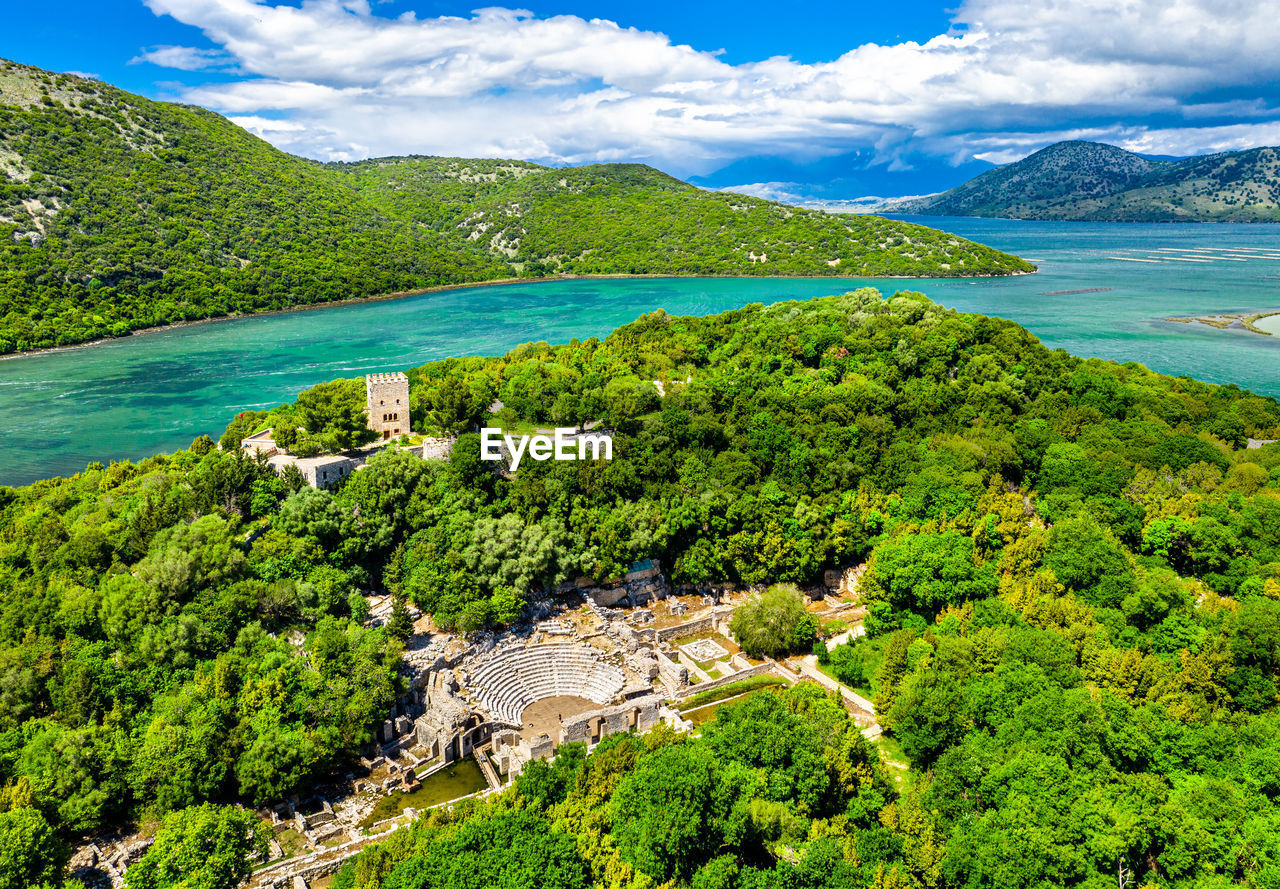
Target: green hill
[(1089, 181), (632, 219), (119, 213), (1072, 639)]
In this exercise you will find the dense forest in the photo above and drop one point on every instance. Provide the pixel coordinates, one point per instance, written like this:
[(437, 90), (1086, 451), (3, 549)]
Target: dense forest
[(1073, 638), (118, 213)]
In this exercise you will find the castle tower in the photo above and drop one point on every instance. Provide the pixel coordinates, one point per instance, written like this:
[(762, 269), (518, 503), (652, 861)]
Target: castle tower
[(387, 401)]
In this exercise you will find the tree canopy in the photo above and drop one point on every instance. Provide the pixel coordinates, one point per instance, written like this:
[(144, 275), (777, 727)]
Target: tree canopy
[(1072, 584), (201, 847), (774, 623)]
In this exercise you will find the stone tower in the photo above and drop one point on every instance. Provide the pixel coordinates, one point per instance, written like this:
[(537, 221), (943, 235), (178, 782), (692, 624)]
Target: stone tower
[(387, 400)]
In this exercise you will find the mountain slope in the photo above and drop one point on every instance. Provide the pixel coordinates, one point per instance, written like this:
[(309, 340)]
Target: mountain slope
[(1101, 183), (633, 219), (119, 213)]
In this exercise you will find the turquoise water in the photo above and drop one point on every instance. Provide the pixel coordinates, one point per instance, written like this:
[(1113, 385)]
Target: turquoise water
[(156, 392)]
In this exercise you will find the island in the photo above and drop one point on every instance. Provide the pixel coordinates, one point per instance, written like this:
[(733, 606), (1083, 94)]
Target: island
[(1265, 323)]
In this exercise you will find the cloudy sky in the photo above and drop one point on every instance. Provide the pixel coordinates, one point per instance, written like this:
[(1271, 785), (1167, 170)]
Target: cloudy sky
[(889, 98)]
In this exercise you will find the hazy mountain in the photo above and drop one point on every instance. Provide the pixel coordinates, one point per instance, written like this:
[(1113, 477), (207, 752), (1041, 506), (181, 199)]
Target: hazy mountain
[(1101, 183), (844, 177)]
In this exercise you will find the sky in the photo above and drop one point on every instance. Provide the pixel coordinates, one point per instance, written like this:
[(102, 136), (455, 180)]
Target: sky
[(821, 99)]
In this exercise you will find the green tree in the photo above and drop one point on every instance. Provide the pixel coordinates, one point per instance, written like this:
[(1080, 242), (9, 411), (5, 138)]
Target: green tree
[(1086, 558), (774, 623), (510, 849), (923, 573), (31, 855), (400, 624), (457, 404), (334, 415), (664, 812), (930, 713), (201, 847), (187, 558)]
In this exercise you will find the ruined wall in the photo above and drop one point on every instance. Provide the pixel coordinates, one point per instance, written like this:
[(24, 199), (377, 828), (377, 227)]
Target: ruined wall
[(758, 670), (706, 624), (437, 448), (671, 672), (597, 724)]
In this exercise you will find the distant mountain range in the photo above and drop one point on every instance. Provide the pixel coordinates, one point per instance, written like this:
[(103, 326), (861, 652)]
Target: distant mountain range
[(1089, 181)]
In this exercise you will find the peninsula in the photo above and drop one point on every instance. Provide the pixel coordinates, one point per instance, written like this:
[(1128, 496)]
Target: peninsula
[(869, 586), (118, 213)]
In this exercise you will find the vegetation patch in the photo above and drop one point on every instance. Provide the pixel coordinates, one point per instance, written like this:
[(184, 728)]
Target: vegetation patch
[(731, 690), (1072, 592)]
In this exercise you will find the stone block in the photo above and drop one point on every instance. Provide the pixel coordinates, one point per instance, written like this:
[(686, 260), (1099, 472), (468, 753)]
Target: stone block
[(575, 730)]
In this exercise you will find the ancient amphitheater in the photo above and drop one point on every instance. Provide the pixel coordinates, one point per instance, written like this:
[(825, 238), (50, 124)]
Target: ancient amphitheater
[(583, 670), (521, 697), (517, 677), (578, 671)]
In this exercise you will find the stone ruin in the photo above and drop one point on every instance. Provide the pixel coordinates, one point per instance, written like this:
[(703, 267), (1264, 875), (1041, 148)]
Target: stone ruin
[(705, 650), (616, 670), (611, 683)]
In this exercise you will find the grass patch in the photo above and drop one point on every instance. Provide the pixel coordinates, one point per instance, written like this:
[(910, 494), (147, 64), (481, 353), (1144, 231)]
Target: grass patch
[(894, 758), (728, 691), (834, 627), (291, 843)]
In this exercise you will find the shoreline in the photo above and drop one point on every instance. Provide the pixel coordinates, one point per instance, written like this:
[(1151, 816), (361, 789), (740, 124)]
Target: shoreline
[(494, 282), (1232, 320)]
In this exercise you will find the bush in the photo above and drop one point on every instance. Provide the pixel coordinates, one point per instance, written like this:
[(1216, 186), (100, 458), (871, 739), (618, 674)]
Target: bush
[(774, 623)]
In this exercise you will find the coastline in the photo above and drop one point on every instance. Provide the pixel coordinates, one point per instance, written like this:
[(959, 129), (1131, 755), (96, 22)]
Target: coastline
[(494, 282), (1236, 321)]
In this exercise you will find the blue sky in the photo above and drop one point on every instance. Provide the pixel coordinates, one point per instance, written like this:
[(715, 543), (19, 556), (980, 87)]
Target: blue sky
[(823, 98), (102, 38)]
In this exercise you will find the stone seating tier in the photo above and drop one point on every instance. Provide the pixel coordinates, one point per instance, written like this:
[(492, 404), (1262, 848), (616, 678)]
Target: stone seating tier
[(514, 678)]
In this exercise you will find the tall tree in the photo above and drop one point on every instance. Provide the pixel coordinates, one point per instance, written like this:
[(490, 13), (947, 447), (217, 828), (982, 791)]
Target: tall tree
[(201, 847)]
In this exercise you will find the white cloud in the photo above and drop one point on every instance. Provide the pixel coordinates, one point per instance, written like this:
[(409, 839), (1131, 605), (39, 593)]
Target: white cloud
[(1010, 76), (183, 58)]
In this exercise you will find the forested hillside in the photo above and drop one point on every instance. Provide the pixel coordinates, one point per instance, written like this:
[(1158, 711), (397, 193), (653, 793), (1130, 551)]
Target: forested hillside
[(1074, 585), (1089, 181), (632, 219), (119, 213)]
